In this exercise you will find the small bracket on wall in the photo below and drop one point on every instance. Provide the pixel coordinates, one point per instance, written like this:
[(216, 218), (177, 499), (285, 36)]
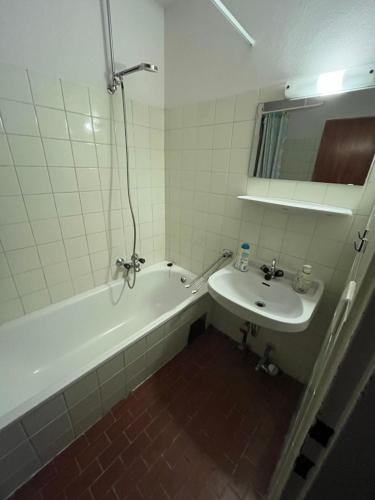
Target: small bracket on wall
[(362, 244)]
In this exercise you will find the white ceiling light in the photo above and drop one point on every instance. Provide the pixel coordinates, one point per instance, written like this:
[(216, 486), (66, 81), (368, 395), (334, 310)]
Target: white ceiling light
[(333, 82), (230, 17), (330, 83)]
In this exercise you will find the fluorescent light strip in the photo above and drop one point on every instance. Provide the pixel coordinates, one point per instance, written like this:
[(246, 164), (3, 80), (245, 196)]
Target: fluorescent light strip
[(230, 17)]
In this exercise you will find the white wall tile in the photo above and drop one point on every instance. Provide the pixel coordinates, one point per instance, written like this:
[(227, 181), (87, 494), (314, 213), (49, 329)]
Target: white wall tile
[(97, 242), (5, 156), (99, 260), (94, 223), (84, 154), (225, 109), (91, 201), (282, 189), (343, 196), (23, 259), (88, 179), (80, 266), (56, 273), (26, 150), (80, 127), (14, 236), (239, 161), (223, 136), (100, 103), (46, 231), (12, 209), (156, 115), (61, 291), (36, 300), (336, 228), (310, 191), (58, 153), (42, 187), (34, 180), (8, 289), (83, 283), (52, 123), (52, 253), (67, 204), (242, 134), (18, 118), (11, 309), (4, 267), (63, 179), (46, 90), (72, 226), (103, 131), (296, 244), (40, 206), (141, 114), (107, 156), (246, 105), (76, 97), (76, 247), (14, 83), (324, 252), (30, 281)]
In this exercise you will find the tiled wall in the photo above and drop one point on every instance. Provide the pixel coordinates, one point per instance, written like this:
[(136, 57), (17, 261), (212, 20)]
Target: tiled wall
[(64, 216), (207, 157), (26, 445)]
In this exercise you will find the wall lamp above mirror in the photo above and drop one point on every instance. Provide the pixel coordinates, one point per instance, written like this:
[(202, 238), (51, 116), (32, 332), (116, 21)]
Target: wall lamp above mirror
[(327, 139), (333, 82)]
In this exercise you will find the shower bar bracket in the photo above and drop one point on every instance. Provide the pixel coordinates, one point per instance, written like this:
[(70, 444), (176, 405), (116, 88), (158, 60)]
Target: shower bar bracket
[(201, 278)]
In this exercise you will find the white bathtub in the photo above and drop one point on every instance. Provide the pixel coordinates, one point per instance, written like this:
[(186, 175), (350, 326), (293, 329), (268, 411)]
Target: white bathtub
[(44, 352)]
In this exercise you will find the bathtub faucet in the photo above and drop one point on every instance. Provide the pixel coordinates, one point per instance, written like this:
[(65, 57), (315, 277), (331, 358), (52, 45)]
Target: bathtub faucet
[(134, 263)]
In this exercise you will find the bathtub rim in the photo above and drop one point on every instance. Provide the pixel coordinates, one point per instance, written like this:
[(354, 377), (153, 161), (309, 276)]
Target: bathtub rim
[(72, 376)]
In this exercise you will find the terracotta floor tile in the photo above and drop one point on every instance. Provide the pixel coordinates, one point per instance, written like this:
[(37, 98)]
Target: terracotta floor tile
[(135, 449), (158, 424), (83, 481), (129, 479), (138, 425), (94, 449), (105, 482), (109, 454), (204, 427), (100, 427)]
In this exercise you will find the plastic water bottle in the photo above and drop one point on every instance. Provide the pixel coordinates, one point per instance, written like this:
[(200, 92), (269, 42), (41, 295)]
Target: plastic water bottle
[(242, 263)]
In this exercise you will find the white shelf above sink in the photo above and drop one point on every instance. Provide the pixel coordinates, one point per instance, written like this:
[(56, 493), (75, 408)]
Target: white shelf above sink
[(299, 205)]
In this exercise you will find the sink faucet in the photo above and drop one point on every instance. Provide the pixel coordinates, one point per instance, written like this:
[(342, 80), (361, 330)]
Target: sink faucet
[(272, 272), (134, 263)]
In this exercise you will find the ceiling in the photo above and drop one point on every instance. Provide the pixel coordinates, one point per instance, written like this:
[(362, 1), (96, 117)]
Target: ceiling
[(206, 57)]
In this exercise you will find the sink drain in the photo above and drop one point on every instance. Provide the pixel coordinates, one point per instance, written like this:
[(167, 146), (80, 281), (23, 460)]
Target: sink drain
[(260, 303)]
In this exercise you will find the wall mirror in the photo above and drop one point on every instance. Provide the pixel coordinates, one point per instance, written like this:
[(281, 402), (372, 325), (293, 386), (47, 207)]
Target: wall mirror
[(326, 139)]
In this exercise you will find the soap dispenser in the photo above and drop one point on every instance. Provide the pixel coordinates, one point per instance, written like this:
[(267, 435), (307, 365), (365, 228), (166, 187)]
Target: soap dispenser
[(303, 279)]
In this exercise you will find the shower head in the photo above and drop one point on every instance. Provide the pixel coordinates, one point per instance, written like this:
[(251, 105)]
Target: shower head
[(139, 67), (117, 77)]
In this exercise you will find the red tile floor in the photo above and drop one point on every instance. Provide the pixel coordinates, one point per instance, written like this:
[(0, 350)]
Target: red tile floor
[(204, 427)]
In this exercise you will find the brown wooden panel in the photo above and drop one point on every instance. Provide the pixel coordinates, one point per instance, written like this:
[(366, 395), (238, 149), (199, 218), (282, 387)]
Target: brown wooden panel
[(346, 151)]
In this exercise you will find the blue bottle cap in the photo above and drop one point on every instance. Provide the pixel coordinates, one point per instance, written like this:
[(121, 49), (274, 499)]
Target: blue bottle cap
[(245, 246)]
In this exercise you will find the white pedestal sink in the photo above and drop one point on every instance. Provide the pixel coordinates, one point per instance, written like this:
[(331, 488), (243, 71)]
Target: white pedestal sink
[(272, 304)]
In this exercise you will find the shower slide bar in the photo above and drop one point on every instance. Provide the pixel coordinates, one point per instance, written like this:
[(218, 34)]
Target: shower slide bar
[(201, 278)]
